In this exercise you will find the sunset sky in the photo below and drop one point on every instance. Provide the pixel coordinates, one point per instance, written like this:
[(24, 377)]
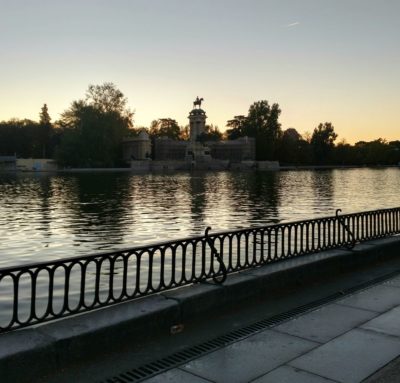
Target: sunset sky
[(320, 60)]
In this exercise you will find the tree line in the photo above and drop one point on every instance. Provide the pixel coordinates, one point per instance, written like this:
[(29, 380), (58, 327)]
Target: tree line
[(90, 133), (289, 147)]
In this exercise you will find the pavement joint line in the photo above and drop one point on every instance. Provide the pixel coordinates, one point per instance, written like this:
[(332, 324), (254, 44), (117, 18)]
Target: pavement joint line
[(310, 307), (295, 336), (380, 333), (359, 308), (339, 335), (355, 307), (194, 374), (297, 368), (296, 357), (358, 327), (314, 373), (376, 372)]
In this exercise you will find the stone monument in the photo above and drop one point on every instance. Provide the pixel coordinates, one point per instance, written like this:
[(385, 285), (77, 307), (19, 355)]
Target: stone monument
[(137, 148), (196, 152)]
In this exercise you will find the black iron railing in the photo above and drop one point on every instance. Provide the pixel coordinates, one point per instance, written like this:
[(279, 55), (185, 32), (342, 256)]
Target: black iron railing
[(41, 292)]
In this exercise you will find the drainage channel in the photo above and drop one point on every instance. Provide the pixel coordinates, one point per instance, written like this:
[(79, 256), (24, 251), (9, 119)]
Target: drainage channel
[(154, 368)]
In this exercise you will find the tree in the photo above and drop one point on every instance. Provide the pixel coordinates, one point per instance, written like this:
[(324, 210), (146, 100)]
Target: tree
[(45, 131), (107, 98), (261, 123), (165, 127), (305, 155), (212, 133), (394, 148), (93, 128), (289, 146), (236, 126), (376, 152), (323, 142), (21, 137), (45, 118), (343, 153), (291, 134)]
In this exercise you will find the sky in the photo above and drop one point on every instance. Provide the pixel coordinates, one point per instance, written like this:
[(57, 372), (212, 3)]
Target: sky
[(321, 60)]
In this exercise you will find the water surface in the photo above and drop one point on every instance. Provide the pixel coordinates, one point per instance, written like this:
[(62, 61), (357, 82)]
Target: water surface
[(44, 216)]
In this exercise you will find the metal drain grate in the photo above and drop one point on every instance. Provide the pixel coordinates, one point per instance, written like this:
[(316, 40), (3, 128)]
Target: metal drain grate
[(145, 372)]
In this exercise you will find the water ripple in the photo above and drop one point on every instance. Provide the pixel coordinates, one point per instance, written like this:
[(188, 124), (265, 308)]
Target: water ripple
[(45, 217)]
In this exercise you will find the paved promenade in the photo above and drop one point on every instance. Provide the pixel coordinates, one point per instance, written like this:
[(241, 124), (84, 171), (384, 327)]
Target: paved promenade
[(346, 341)]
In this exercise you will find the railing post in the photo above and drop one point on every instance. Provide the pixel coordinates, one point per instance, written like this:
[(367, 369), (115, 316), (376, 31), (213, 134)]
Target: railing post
[(222, 272)]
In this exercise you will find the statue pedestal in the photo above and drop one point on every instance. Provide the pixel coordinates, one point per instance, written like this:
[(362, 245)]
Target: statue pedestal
[(197, 153)]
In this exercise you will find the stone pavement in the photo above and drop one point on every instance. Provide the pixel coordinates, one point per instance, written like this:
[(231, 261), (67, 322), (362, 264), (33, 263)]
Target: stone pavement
[(346, 341)]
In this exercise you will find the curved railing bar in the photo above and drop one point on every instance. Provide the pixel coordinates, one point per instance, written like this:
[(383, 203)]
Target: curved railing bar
[(348, 231), (220, 276)]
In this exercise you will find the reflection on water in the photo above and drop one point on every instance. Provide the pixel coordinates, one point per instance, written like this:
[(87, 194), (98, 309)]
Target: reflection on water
[(45, 217)]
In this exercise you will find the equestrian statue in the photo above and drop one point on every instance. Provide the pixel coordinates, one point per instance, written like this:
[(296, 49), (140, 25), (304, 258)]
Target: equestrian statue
[(197, 102)]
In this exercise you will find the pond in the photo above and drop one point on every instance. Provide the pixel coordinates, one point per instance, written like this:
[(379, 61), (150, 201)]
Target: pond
[(50, 216)]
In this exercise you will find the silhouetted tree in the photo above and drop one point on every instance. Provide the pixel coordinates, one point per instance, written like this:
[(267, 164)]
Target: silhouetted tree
[(236, 126), (44, 115), (305, 155), (46, 131), (165, 127), (25, 138), (93, 128), (212, 133), (108, 98), (343, 154), (376, 152), (289, 146), (261, 123), (323, 142), (394, 152)]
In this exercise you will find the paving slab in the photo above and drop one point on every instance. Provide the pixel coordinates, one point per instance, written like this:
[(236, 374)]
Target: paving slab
[(387, 323), (326, 323), (176, 376), (351, 357), (395, 282), (287, 374), (388, 374), (379, 298), (249, 358)]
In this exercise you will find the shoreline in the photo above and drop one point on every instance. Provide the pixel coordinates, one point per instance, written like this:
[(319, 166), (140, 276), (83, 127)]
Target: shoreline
[(135, 171), (321, 167)]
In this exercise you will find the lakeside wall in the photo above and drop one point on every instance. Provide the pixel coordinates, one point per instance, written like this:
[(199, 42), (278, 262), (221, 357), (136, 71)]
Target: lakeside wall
[(159, 166), (28, 354)]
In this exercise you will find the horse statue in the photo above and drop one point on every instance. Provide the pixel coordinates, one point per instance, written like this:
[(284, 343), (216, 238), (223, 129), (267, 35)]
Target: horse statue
[(197, 102)]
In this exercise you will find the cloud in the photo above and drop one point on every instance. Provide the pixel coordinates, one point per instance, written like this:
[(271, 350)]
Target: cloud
[(291, 25)]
